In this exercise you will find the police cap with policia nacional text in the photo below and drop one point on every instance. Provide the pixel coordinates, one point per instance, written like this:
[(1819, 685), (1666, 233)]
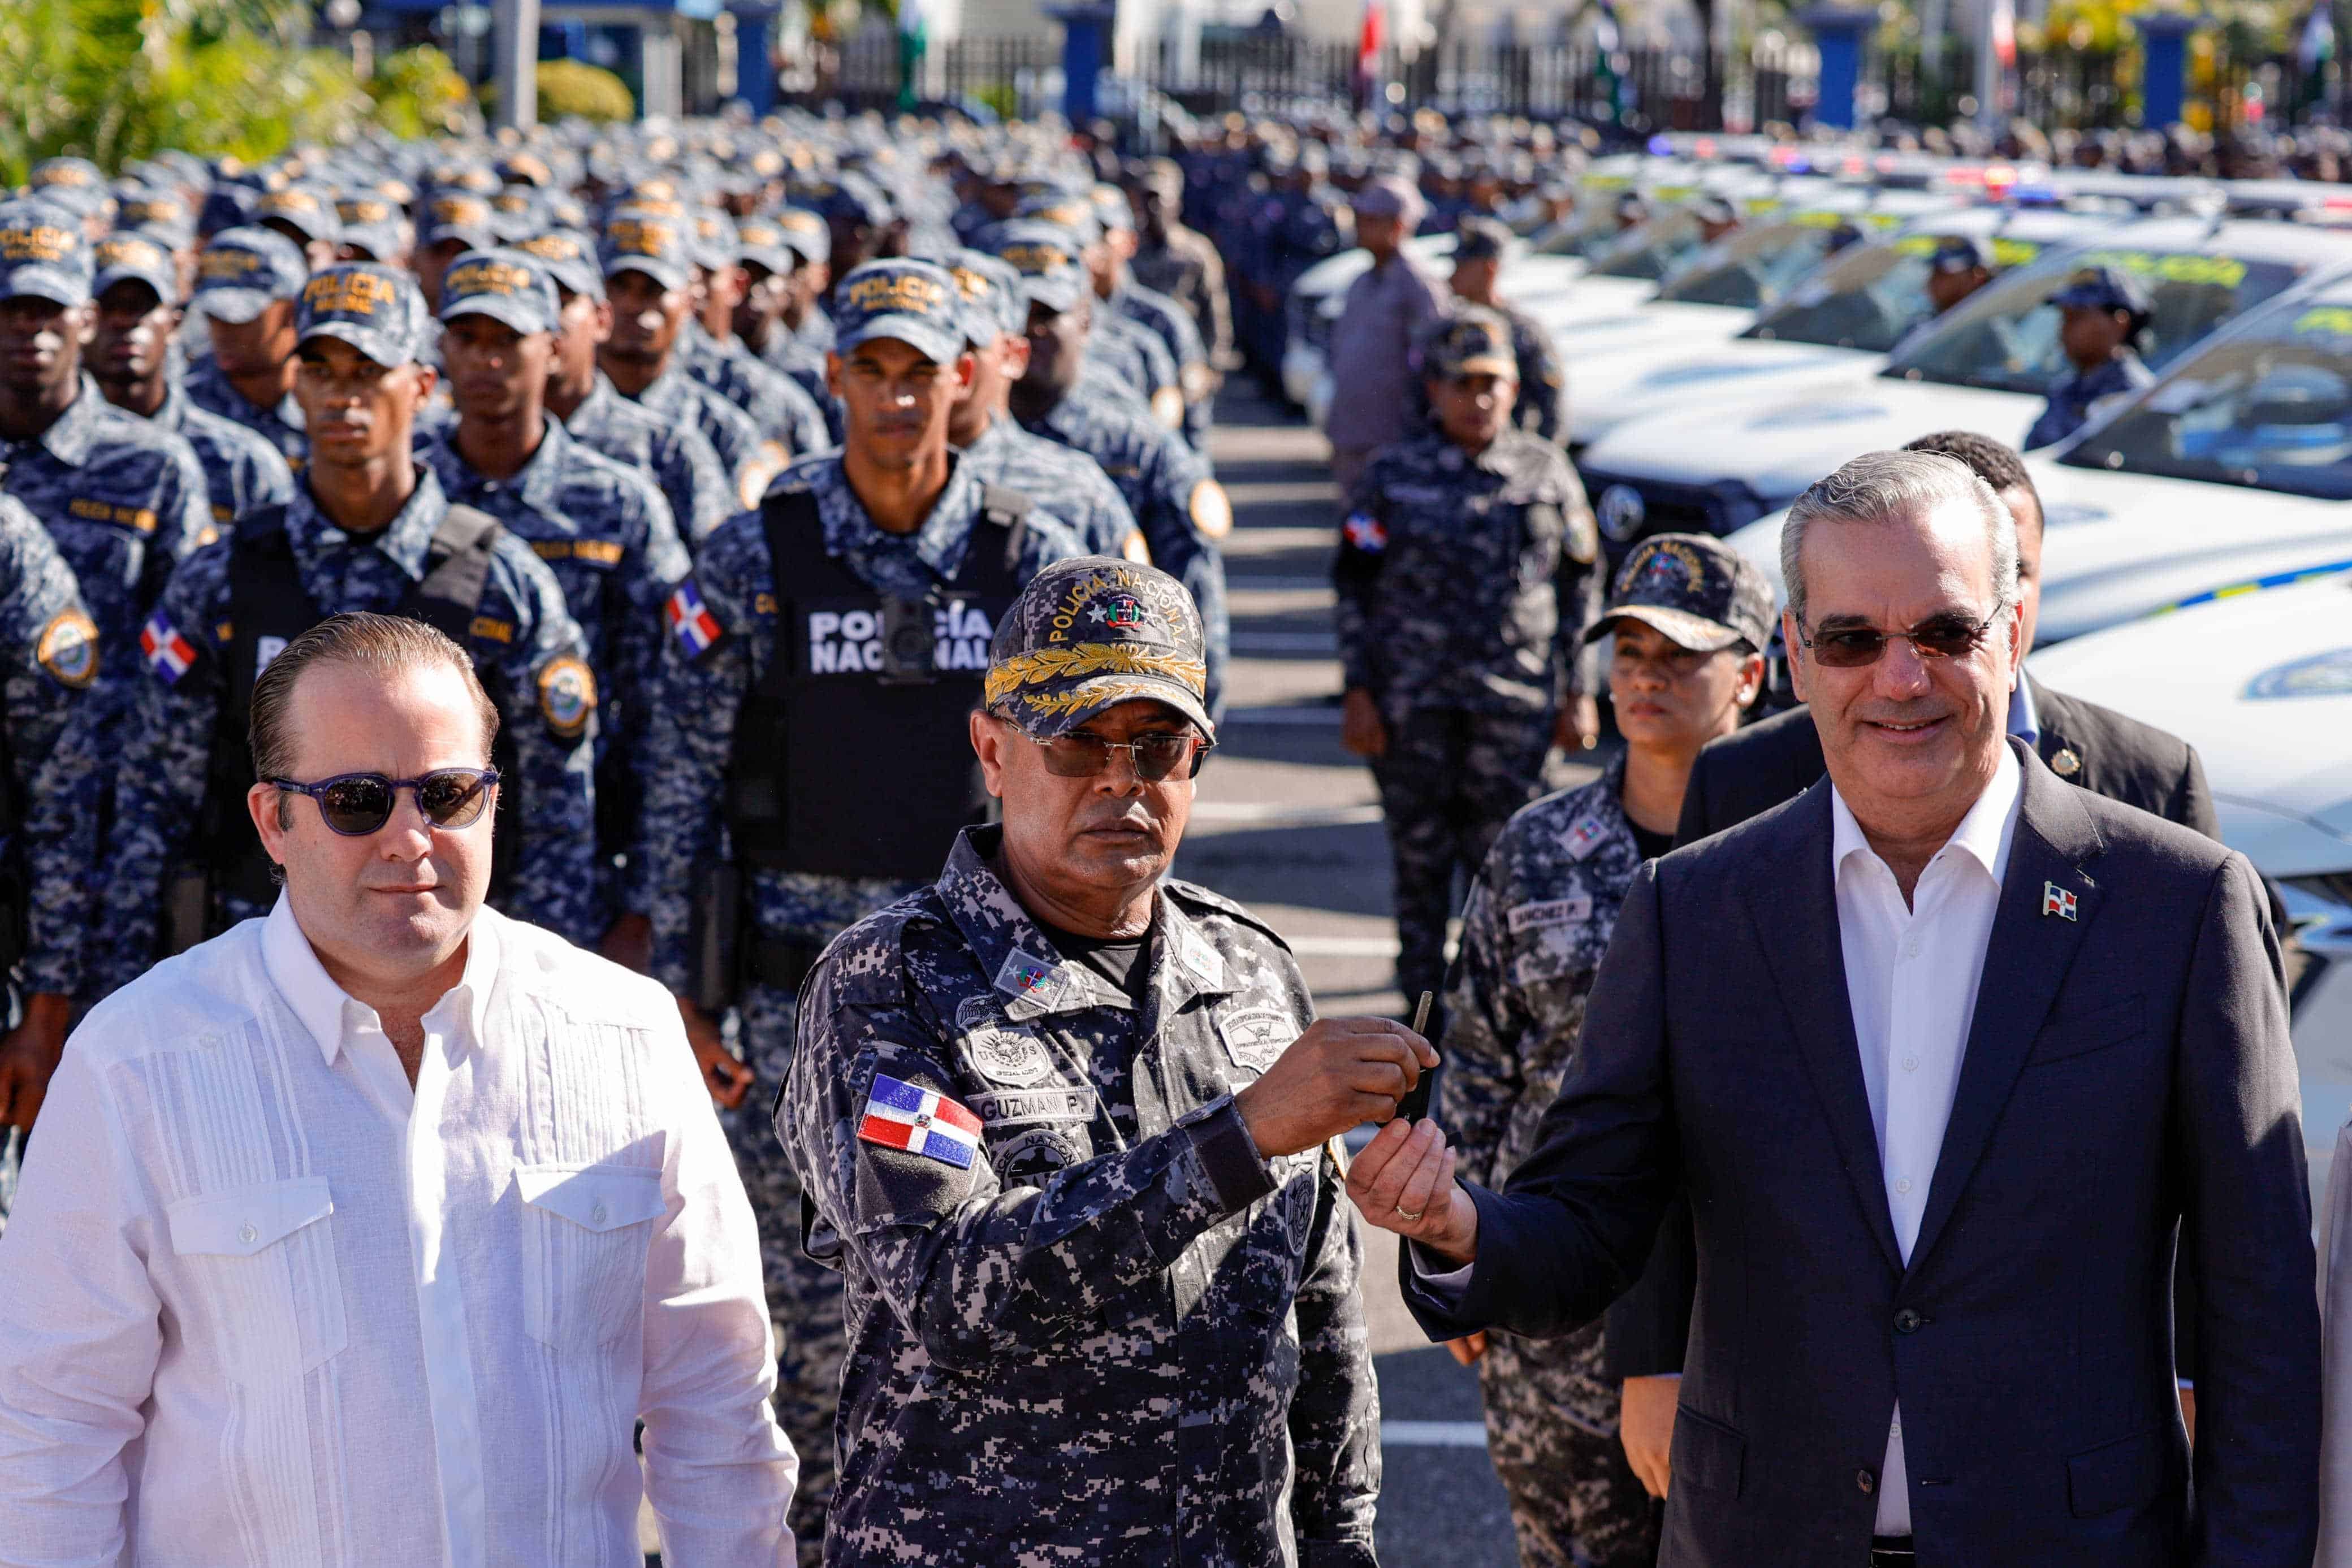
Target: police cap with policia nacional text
[(1089, 634)]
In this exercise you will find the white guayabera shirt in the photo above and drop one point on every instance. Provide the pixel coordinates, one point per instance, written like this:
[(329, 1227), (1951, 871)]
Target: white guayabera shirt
[(266, 1305)]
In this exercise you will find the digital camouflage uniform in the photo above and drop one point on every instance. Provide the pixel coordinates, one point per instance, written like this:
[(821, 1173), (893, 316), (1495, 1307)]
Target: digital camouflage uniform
[(49, 662), (281, 426), (1464, 585), (125, 501), (1118, 1337), (678, 457), (1176, 500), (1541, 408), (526, 645), (779, 406), (1073, 483), (607, 537), (693, 733), (1533, 934), (243, 473), (752, 460)]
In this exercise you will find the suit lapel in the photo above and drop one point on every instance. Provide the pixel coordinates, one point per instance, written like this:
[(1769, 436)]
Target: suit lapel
[(1821, 1014), (2055, 738), (2026, 961)]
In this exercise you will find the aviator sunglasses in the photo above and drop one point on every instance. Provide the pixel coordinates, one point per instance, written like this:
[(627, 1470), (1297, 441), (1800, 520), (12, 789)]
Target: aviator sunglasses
[(1937, 637), (358, 804), (1153, 755)]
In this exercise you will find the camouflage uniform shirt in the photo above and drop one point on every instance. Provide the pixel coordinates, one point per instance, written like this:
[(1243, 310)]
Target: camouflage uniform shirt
[(523, 632), (124, 500), (1466, 582), (751, 459), (677, 455), (606, 535), (704, 687), (1176, 500), (282, 426), (1070, 481), (1116, 1336), (778, 405), (50, 654), (243, 473)]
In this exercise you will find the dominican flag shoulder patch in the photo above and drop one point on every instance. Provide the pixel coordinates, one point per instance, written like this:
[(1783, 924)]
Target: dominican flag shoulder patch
[(168, 654), (920, 1120), (1365, 532), (696, 628)]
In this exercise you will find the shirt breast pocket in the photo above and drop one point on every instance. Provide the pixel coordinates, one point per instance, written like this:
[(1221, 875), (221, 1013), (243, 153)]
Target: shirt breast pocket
[(263, 1260), (586, 1232)]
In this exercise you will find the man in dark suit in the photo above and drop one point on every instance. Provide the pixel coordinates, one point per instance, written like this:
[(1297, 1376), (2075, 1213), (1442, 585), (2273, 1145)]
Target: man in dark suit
[(1943, 1053), (1747, 773)]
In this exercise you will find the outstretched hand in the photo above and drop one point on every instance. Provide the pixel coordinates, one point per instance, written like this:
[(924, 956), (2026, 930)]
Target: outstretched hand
[(1403, 1181)]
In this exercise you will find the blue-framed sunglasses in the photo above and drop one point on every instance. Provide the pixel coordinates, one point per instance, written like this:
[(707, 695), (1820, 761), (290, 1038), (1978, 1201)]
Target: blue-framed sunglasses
[(358, 804)]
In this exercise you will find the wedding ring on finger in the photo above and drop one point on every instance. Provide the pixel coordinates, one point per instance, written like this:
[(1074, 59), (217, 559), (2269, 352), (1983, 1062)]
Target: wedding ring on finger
[(1412, 1215)]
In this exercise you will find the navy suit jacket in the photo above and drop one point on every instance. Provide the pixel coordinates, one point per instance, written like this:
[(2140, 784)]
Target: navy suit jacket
[(2125, 1068)]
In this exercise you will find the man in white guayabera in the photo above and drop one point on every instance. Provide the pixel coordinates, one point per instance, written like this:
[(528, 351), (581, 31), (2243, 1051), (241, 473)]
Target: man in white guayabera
[(366, 1233)]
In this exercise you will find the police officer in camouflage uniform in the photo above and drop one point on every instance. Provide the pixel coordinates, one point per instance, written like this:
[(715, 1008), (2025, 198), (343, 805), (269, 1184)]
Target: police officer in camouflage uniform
[(246, 279), (649, 282), (369, 528), (603, 529), (1478, 249), (1178, 503), (995, 446), (819, 667), (674, 453), (49, 791), (1061, 1122), (1178, 262), (1118, 291), (1690, 617), (2104, 314), (1467, 571), (770, 260), (1126, 347), (137, 325), (780, 406), (123, 499)]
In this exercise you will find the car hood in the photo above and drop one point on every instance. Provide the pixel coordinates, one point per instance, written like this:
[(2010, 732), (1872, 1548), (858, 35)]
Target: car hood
[(1784, 438), (1651, 379), (2280, 766)]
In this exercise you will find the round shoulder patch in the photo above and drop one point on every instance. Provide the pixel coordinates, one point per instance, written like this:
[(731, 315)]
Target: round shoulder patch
[(67, 649), (567, 695), (1212, 509)]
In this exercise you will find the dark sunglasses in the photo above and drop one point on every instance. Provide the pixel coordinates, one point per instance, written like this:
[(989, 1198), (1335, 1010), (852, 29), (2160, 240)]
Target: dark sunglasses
[(358, 804), (1153, 757), (1937, 637)]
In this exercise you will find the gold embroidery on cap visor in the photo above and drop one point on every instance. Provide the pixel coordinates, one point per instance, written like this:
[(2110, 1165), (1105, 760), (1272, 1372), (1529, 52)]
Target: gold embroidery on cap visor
[(1088, 659)]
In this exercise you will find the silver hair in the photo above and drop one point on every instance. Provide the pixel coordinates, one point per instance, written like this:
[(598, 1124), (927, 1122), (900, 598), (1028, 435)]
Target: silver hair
[(1888, 486)]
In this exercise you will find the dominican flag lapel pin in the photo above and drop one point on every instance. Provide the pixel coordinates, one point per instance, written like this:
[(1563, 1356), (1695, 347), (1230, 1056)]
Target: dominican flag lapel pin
[(2057, 901)]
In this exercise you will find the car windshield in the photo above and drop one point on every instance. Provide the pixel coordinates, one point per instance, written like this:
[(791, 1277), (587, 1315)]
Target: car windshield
[(2007, 340), (1753, 268), (2272, 411), (1651, 251), (1869, 296)]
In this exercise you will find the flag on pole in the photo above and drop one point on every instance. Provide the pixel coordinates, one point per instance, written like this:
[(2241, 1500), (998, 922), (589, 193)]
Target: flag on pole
[(1371, 38), (2004, 33)]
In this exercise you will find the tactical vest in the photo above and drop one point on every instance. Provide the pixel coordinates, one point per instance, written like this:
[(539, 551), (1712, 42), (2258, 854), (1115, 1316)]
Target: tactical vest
[(267, 608), (851, 759)]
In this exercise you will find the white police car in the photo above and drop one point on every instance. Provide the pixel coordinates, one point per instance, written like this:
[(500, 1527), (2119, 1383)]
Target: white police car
[(2258, 679), (1835, 322), (1987, 366)]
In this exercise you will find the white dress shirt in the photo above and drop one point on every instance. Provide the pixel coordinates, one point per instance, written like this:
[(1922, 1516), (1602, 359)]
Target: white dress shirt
[(1911, 976), (269, 1305)]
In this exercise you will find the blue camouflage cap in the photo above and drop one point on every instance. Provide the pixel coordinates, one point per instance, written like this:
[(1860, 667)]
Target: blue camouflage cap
[(74, 184), (148, 208), (507, 285), (225, 207), (243, 270), (375, 309), (716, 246), (517, 213), (658, 244), (44, 254), (806, 233), (1047, 255), (1074, 213), (126, 257), (1090, 633), (759, 243), (569, 258), (993, 303), (915, 302), (308, 210), (1698, 590), (460, 215), (2102, 288)]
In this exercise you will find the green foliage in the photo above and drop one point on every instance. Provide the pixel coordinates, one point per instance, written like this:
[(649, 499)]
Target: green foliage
[(117, 81), (574, 87), (417, 92)]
